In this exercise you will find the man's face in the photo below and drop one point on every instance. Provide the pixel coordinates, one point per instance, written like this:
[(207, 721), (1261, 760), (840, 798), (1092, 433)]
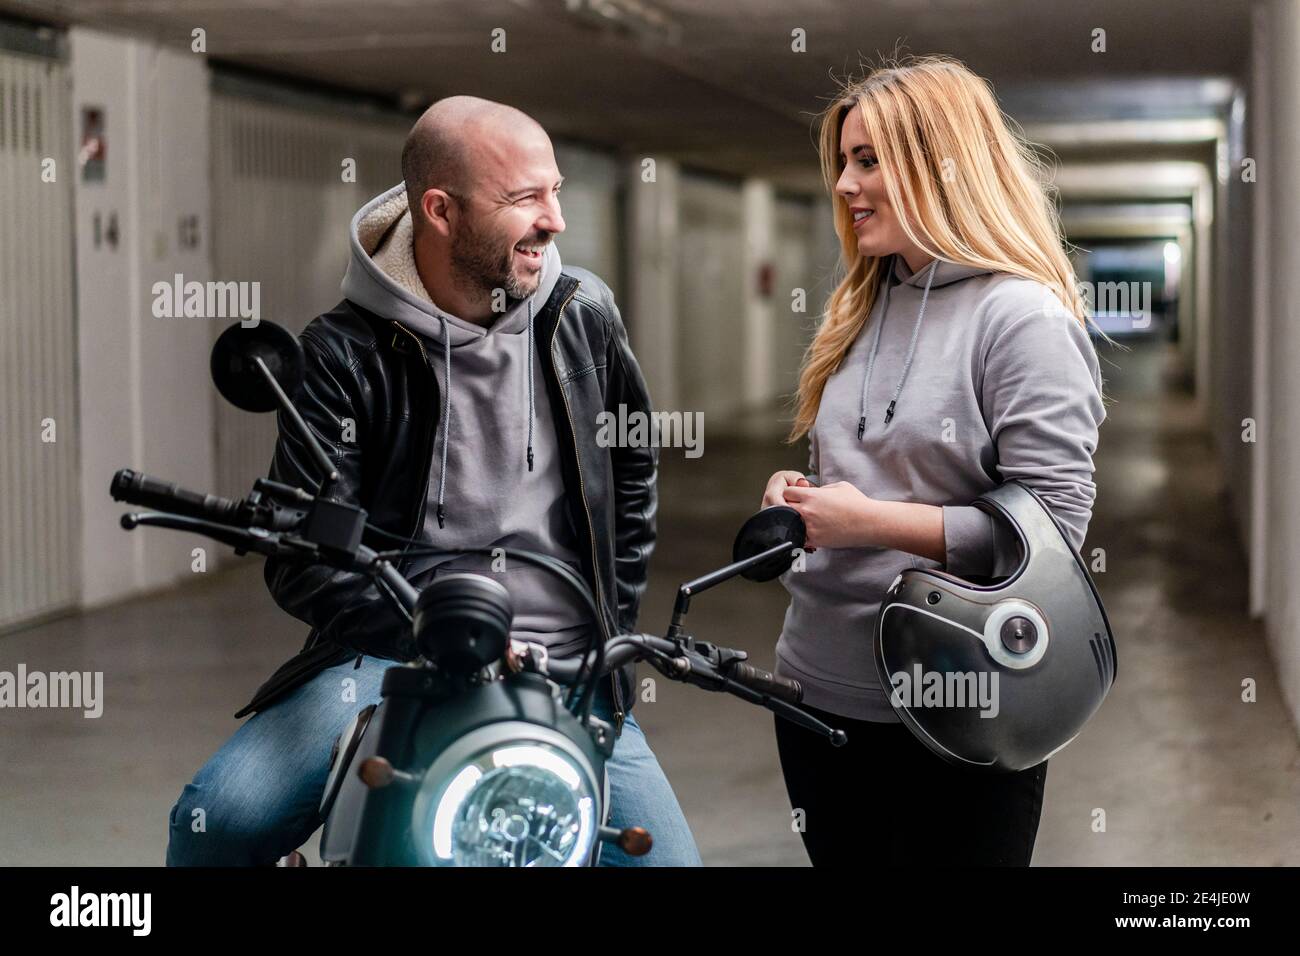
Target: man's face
[(509, 213)]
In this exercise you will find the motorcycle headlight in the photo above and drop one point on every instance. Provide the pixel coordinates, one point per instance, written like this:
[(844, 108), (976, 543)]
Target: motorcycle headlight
[(509, 794)]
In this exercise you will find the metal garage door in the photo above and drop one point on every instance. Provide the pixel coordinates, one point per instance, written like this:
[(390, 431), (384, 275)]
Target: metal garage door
[(710, 262), (38, 386), (281, 209)]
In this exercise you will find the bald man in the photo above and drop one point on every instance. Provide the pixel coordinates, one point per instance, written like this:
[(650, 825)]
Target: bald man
[(457, 388)]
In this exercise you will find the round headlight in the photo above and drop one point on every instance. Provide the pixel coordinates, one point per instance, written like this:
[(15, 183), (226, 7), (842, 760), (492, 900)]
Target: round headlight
[(499, 797)]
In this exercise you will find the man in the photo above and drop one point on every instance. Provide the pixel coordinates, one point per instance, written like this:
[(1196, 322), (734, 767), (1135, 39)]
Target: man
[(456, 388)]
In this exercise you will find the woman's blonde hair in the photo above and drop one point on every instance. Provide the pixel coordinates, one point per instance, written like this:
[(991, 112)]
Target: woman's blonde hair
[(974, 190)]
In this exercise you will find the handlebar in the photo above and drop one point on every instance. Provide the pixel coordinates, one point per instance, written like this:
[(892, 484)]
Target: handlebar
[(704, 665), (619, 651), (680, 663), (254, 525), (139, 489), (767, 683), (273, 544), (272, 505)]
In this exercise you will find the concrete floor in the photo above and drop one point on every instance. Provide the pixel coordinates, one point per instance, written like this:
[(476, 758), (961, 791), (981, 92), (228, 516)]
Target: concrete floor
[(1186, 772)]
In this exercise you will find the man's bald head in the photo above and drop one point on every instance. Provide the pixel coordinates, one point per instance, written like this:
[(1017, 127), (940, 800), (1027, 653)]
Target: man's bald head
[(484, 193), (440, 151)]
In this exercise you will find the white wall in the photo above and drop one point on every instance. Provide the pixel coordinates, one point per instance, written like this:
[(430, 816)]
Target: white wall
[(653, 231), (707, 336), (143, 398), (590, 202), (806, 255), (1260, 117), (710, 297), (755, 347), (1232, 342), (1282, 428)]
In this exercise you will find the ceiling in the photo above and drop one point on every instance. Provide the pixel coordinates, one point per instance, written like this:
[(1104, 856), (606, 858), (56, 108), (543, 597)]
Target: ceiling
[(715, 84)]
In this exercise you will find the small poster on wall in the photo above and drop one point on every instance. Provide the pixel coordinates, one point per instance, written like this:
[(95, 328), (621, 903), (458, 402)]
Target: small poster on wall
[(93, 153)]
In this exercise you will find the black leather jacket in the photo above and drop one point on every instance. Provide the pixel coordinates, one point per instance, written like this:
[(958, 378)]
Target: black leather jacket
[(376, 372)]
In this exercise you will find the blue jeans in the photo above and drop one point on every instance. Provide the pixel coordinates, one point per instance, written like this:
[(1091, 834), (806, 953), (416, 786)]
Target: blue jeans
[(258, 797)]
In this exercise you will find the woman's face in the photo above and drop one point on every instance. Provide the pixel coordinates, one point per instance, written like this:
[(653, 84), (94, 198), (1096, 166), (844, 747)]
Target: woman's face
[(862, 187)]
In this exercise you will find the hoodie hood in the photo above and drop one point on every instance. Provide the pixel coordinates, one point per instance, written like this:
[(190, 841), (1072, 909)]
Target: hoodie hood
[(382, 277), (946, 274)]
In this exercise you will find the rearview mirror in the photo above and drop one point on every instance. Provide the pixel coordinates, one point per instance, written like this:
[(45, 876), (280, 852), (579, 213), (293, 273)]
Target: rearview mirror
[(234, 365), (765, 530)]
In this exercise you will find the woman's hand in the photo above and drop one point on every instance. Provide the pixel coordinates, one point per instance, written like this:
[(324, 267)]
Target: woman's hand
[(836, 515), (839, 516), (776, 485)]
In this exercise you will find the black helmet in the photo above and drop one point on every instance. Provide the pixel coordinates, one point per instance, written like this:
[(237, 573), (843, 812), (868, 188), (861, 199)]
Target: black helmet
[(998, 676)]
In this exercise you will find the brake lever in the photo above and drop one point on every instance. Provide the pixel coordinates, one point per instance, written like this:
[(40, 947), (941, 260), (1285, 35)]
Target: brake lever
[(243, 540), (692, 667), (837, 737)]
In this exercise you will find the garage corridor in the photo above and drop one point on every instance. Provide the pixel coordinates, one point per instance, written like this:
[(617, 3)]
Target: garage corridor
[(1164, 759), (170, 171)]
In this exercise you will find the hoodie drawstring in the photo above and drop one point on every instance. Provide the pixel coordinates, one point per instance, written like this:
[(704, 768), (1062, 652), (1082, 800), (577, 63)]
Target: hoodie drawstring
[(446, 419), (907, 363), (446, 408), (531, 401)]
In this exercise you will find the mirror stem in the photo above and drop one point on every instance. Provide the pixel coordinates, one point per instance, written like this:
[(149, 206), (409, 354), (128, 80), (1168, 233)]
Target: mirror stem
[(327, 470), (714, 578)]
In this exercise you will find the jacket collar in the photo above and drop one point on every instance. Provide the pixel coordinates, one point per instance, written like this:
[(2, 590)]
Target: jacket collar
[(553, 311)]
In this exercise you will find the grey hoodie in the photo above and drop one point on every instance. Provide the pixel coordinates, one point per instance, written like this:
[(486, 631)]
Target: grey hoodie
[(495, 478), (990, 379)]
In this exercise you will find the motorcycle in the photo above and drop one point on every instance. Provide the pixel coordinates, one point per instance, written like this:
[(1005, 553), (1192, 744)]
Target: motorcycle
[(483, 750)]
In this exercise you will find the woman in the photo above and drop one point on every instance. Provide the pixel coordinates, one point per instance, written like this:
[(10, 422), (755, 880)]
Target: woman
[(953, 356)]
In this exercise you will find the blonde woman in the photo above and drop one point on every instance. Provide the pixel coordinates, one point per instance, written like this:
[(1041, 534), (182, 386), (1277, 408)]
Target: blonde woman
[(953, 356)]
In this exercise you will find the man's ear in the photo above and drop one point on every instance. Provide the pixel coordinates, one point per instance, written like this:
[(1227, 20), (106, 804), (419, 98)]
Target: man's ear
[(437, 209)]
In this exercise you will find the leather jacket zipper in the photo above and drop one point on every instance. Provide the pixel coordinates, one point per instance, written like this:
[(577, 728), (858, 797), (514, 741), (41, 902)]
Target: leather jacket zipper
[(619, 714), (428, 464)]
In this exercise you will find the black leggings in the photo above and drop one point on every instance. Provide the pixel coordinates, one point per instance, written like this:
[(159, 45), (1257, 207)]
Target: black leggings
[(885, 792)]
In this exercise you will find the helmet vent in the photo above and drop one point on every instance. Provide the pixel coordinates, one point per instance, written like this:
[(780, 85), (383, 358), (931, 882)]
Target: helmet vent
[(1101, 655)]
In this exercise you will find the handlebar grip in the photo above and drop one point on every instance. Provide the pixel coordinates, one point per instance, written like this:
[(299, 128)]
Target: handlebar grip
[(139, 489), (765, 682)]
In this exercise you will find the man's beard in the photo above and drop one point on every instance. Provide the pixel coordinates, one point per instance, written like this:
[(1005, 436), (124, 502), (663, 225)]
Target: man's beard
[(479, 264)]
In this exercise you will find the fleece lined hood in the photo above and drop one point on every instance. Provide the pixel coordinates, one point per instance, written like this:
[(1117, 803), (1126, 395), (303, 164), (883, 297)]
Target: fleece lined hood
[(382, 277)]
